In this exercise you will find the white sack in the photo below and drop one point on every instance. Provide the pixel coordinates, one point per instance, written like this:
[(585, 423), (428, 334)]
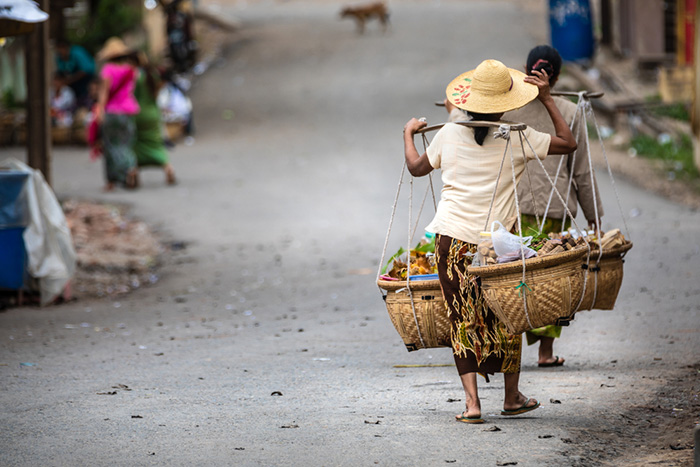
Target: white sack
[(47, 238)]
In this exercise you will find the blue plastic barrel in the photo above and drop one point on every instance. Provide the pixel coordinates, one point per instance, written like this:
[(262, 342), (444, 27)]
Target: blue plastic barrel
[(571, 27), (14, 216)]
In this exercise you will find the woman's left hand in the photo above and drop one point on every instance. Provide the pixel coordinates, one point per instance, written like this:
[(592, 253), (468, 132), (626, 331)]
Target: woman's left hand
[(541, 80), (413, 125)]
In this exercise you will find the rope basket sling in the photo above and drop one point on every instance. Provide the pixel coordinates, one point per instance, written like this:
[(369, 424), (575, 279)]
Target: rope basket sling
[(416, 308), (605, 279), (549, 287), (535, 292), (604, 267)]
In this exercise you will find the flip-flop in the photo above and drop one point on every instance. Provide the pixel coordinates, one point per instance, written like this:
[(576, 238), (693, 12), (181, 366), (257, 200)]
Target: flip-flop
[(522, 409), (463, 419), (557, 362)]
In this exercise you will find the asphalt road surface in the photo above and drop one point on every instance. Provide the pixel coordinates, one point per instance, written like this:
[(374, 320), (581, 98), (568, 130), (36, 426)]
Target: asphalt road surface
[(265, 340)]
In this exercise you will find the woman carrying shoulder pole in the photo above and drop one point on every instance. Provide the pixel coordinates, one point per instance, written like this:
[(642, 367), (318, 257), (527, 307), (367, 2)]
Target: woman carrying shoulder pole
[(469, 159)]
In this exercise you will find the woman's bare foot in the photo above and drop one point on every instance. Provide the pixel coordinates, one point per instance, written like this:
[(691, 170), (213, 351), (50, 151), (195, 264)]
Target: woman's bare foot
[(546, 355), (109, 186), (170, 175), (132, 179)]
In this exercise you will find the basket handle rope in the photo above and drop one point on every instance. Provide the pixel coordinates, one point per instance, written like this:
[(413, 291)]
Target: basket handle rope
[(566, 207), (411, 232), (410, 241), (589, 111), (540, 226), (391, 223), (556, 176), (522, 286), (587, 106)]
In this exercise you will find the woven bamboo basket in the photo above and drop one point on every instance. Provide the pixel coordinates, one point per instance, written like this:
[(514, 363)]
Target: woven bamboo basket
[(61, 135), (7, 129), (554, 289), (430, 317), (604, 281)]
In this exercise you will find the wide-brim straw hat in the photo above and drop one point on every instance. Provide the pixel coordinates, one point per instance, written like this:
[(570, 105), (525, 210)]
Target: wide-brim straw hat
[(491, 88), (113, 48)]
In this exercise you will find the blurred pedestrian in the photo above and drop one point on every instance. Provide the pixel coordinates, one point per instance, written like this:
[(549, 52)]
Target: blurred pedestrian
[(115, 112), (469, 161), (180, 32), (174, 104), (575, 177), (78, 67), (62, 101), (149, 146)]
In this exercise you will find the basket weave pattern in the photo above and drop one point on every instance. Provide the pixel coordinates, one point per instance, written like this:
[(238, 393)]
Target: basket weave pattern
[(429, 305), (554, 289), (603, 286)]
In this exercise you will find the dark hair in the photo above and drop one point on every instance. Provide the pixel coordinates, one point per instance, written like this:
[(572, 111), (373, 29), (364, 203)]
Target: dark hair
[(141, 61), (548, 58), (480, 132)]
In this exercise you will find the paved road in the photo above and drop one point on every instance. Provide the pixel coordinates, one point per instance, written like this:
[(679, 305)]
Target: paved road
[(284, 201)]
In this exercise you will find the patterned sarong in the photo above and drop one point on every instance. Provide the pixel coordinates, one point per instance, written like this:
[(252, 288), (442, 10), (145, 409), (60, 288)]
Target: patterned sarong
[(118, 135), (480, 342)]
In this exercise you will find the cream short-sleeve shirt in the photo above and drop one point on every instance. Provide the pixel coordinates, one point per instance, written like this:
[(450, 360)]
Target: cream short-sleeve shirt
[(469, 174)]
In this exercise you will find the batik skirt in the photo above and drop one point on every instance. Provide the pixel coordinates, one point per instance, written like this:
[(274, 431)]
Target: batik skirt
[(480, 342)]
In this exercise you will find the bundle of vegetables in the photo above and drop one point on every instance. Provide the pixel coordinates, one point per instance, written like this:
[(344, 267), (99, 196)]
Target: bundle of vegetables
[(552, 243), (422, 260)]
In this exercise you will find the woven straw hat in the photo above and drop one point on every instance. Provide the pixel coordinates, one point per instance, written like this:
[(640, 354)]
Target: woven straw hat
[(491, 88), (113, 48)]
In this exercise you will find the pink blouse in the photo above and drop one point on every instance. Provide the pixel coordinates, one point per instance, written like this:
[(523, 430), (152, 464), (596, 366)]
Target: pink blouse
[(121, 98)]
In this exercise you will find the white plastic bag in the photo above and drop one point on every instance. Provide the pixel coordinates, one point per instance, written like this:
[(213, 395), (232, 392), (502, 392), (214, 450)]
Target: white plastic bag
[(508, 246), (174, 105)]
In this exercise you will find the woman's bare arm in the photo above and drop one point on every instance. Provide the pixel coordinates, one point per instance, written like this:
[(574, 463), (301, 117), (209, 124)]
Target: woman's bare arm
[(563, 142), (418, 164), (102, 95)]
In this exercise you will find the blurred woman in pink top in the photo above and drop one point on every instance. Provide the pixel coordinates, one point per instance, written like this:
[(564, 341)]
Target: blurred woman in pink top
[(115, 112)]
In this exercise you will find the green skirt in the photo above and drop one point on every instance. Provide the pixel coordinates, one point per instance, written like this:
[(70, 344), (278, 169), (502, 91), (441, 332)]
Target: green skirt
[(529, 223), (149, 147)]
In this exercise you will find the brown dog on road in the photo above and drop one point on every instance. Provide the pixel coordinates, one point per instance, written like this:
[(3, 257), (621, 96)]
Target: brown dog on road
[(364, 13)]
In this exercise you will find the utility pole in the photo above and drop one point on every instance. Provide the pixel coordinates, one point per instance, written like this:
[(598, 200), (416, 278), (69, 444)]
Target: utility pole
[(38, 116)]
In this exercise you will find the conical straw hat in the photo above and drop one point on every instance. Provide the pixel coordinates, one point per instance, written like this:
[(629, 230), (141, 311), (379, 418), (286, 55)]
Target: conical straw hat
[(490, 88), (113, 48)]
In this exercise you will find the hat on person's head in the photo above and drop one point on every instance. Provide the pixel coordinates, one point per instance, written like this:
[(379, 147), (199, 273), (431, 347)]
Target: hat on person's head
[(491, 88), (113, 48)]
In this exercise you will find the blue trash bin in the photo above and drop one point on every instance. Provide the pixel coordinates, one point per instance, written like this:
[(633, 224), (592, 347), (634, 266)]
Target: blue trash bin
[(571, 27), (14, 216)]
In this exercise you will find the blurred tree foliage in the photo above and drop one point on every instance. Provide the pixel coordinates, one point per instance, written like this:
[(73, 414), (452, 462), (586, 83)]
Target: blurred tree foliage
[(110, 18)]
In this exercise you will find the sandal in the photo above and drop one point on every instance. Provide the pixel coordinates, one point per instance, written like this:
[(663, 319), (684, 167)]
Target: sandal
[(522, 409), (463, 418), (558, 361)]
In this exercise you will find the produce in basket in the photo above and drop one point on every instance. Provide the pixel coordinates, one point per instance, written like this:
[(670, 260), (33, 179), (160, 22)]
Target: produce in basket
[(422, 260)]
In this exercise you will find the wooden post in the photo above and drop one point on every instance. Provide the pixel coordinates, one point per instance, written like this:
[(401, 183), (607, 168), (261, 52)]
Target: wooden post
[(38, 116), (695, 113)]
